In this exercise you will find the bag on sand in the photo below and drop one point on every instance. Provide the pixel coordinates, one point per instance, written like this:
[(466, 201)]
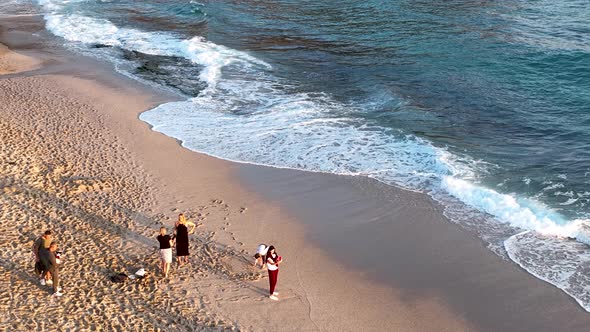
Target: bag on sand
[(118, 278)]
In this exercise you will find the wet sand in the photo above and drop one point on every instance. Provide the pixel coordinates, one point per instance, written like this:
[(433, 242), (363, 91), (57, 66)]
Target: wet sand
[(359, 256), (402, 241)]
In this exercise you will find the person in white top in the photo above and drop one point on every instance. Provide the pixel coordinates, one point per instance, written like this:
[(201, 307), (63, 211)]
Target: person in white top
[(272, 264), (260, 254)]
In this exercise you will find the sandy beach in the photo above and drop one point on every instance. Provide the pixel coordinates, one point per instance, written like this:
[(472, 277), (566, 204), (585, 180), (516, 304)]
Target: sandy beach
[(359, 256)]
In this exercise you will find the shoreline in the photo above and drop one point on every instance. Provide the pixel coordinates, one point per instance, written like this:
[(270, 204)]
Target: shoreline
[(289, 203), (428, 255)]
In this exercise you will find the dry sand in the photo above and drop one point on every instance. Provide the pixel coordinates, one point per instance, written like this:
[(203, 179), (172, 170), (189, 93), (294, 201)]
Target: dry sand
[(74, 158)]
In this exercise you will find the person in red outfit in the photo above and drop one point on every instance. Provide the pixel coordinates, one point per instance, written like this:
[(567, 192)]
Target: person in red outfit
[(272, 264)]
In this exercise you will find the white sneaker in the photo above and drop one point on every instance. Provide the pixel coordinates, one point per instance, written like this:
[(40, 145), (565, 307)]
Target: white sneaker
[(274, 298), (59, 289), (42, 281), (49, 282), (58, 294), (275, 293)]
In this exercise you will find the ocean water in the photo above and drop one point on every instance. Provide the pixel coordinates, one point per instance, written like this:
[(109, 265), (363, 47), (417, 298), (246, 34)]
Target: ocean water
[(485, 106)]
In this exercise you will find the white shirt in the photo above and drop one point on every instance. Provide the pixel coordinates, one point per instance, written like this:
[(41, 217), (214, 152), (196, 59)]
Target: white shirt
[(262, 250), (272, 267)]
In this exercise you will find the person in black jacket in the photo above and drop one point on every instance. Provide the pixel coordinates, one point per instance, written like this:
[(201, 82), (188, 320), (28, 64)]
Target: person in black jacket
[(42, 242), (48, 259)]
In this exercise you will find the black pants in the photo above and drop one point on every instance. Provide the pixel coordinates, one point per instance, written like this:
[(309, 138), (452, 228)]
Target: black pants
[(39, 268)]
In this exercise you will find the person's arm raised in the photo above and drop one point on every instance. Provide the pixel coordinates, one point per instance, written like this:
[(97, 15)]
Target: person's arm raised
[(271, 261), (192, 225)]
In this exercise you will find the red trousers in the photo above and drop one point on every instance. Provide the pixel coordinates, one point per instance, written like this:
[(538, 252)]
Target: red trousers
[(272, 278)]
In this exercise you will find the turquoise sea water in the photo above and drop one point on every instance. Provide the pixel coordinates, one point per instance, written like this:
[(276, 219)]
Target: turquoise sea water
[(482, 105)]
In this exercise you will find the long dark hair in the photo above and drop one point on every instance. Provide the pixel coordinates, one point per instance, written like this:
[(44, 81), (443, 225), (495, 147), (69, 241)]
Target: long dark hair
[(270, 248)]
